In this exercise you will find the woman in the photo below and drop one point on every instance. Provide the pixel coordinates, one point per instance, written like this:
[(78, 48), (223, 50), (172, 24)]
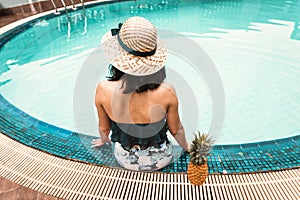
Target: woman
[(135, 103)]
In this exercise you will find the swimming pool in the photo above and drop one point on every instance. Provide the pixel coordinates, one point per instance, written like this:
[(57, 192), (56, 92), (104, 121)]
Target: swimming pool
[(260, 76), (40, 64)]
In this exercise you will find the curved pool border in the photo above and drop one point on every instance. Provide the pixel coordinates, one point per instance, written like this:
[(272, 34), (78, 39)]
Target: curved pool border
[(242, 158), (66, 179), (238, 158)]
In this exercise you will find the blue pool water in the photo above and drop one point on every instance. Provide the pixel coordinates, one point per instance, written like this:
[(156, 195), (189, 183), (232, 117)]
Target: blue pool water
[(254, 45)]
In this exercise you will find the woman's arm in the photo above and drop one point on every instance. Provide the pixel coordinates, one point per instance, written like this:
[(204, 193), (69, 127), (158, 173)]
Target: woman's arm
[(173, 120), (104, 122), (180, 138)]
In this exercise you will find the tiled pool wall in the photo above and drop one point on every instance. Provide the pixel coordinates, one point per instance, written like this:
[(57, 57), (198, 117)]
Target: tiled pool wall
[(244, 158)]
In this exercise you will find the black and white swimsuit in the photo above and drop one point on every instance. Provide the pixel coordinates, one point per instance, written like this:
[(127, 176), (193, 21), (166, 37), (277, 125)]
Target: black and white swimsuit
[(142, 146)]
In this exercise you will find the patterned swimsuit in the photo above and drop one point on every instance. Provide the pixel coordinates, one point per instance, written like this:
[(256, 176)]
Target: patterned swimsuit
[(141, 147)]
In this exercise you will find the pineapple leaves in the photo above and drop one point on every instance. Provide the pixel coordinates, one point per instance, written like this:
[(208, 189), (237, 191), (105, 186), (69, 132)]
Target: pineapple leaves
[(200, 147)]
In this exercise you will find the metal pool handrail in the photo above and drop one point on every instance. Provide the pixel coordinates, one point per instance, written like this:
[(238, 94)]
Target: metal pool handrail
[(65, 6), (73, 5), (55, 7), (66, 9)]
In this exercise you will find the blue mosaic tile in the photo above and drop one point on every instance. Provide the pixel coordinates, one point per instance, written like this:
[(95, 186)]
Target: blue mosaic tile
[(252, 157)]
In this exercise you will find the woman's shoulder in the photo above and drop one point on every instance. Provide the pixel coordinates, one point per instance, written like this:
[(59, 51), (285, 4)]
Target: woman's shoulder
[(106, 85), (167, 92), (167, 87), (103, 90)]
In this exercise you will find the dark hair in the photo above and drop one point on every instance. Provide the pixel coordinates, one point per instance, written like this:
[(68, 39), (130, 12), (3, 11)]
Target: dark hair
[(137, 84)]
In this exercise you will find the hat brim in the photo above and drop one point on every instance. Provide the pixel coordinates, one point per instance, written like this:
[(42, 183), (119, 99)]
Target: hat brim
[(131, 64)]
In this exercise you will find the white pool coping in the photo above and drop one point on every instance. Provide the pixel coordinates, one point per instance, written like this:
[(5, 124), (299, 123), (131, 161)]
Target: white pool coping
[(13, 25)]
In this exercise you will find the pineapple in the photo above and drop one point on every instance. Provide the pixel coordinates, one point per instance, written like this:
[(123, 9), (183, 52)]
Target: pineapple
[(199, 150)]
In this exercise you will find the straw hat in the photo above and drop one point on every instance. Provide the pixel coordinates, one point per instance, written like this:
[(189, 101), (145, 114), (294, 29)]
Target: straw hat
[(134, 47)]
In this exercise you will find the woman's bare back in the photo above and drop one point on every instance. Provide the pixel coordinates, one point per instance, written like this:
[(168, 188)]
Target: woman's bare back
[(139, 108)]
